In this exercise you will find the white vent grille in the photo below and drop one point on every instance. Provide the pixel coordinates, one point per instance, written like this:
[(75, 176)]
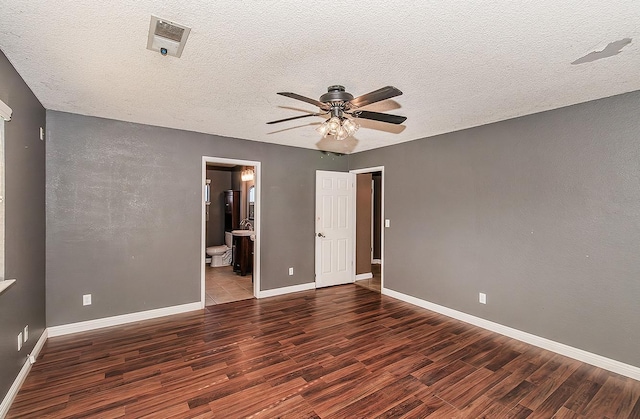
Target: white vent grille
[(166, 37), (167, 30)]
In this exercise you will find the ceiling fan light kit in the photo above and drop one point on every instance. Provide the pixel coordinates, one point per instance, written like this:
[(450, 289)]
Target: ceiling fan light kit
[(341, 128), (339, 103)]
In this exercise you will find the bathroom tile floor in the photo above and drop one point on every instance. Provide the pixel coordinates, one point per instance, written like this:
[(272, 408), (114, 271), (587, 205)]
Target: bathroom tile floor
[(373, 284), (224, 286)]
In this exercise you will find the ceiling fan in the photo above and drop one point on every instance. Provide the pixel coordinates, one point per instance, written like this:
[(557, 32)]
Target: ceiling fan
[(341, 105)]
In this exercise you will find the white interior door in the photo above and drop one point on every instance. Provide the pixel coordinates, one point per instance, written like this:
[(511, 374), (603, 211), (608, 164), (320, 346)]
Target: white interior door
[(334, 228)]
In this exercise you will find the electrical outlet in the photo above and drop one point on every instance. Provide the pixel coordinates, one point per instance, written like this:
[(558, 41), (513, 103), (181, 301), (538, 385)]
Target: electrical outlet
[(86, 300), (387, 223), (25, 332), (290, 271), (19, 341), (482, 298), (41, 134)]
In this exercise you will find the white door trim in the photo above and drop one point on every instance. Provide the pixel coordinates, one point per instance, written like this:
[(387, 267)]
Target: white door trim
[(256, 222), (5, 111), (371, 170), (373, 219)]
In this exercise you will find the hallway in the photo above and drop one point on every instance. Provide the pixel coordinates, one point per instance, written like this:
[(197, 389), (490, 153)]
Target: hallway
[(373, 284)]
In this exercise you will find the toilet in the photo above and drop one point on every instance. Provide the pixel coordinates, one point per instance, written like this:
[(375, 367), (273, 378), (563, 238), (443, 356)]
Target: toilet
[(221, 255)]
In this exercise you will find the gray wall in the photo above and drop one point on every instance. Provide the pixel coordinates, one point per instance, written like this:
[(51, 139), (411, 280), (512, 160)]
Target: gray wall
[(24, 303), (124, 214), (220, 182), (542, 213)]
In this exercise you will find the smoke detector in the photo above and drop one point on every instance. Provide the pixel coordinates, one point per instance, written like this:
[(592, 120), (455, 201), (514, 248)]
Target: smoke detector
[(166, 37)]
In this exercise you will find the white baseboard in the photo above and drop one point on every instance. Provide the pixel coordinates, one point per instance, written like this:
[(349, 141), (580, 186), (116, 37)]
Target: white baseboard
[(364, 276), (287, 290), (22, 375), (550, 345), (66, 329), (376, 262)]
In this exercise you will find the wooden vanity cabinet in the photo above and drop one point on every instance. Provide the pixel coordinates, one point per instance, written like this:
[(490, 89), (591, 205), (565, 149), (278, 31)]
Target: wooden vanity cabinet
[(242, 255)]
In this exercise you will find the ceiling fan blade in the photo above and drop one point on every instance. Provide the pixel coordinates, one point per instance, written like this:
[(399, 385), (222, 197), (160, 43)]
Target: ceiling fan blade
[(376, 96), (377, 116), (305, 99), (295, 117)]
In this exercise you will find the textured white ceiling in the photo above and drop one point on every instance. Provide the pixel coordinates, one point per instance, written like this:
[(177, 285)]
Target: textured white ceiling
[(459, 63)]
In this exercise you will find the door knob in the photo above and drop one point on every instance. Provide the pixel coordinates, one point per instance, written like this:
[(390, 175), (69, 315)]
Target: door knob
[(321, 235)]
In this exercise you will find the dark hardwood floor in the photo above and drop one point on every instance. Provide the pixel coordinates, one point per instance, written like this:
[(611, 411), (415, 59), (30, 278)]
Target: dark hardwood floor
[(341, 352)]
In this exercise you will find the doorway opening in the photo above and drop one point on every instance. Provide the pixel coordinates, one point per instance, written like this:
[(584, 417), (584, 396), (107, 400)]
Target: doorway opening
[(230, 238), (369, 237)]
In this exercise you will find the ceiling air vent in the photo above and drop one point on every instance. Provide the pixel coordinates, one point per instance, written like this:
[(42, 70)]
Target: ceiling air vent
[(166, 37)]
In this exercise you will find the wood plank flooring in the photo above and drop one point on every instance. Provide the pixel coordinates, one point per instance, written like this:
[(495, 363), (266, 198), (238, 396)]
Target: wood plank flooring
[(340, 352)]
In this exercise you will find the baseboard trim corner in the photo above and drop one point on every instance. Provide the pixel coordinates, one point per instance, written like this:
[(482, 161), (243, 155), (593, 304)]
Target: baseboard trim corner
[(22, 375), (544, 343), (67, 329), (287, 290)]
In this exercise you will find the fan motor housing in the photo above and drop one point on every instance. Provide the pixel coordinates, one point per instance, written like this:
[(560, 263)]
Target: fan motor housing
[(336, 93)]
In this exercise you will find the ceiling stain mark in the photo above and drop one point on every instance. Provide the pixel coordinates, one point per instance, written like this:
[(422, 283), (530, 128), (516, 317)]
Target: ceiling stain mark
[(614, 48)]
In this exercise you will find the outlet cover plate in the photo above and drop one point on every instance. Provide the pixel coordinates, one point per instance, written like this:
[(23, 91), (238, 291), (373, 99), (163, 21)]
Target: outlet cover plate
[(86, 300)]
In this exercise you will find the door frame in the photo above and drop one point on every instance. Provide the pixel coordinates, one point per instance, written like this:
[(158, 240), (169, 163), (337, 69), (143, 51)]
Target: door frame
[(256, 222), (382, 228)]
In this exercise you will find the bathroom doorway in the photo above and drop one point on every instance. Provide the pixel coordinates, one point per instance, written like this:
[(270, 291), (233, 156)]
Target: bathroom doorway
[(369, 241), (230, 238)]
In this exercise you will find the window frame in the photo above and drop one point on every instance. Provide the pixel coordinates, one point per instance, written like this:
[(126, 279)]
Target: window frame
[(251, 200)]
